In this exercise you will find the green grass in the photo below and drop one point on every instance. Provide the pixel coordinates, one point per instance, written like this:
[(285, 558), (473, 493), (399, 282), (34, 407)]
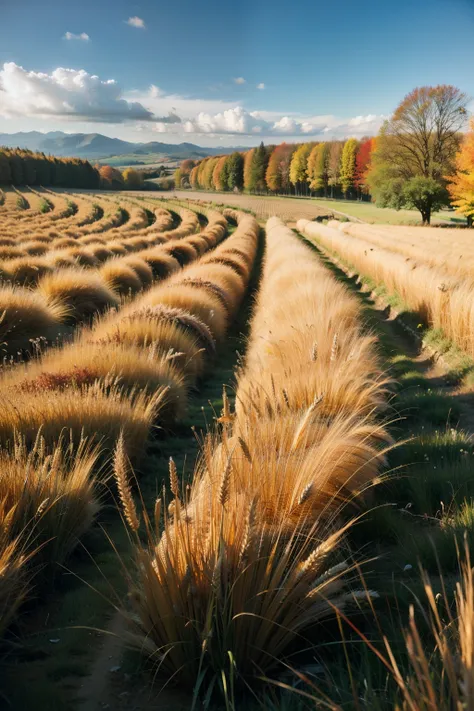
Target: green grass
[(368, 212)]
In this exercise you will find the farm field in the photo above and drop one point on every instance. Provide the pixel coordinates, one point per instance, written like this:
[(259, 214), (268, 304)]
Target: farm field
[(309, 208), (225, 456)]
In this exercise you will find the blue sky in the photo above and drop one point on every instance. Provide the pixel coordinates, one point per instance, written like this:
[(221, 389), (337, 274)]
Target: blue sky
[(220, 73)]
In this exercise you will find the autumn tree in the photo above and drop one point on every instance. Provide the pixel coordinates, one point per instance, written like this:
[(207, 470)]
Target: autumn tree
[(178, 177), (207, 174), (235, 168), (363, 161), (298, 165), (461, 186), (248, 160), (334, 166), (318, 167), (200, 172), (133, 179), (416, 149), (219, 176), (110, 178), (278, 170), (348, 165), (193, 177)]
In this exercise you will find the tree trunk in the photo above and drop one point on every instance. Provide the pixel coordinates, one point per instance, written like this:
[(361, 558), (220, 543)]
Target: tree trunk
[(426, 216), (470, 220)]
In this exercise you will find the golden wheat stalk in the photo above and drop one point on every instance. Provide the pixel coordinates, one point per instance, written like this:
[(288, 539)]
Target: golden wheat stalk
[(121, 470)]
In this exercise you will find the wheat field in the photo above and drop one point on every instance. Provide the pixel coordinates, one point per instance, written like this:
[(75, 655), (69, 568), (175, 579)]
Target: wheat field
[(316, 483)]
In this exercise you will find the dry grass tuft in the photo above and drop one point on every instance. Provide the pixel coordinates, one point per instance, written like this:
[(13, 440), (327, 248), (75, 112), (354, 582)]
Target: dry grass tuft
[(25, 315), (50, 494), (83, 293), (121, 277), (97, 413)]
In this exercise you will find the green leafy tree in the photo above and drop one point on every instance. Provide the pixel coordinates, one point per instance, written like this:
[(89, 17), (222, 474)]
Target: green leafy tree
[(261, 156), (235, 168)]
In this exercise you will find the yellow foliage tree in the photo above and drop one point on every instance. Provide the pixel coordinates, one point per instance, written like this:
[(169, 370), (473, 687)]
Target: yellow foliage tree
[(132, 178), (299, 162), (461, 187)]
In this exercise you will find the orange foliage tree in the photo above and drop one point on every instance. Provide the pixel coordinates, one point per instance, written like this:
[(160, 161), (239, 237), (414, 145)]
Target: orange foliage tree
[(363, 160), (461, 187), (219, 177), (248, 161), (278, 170)]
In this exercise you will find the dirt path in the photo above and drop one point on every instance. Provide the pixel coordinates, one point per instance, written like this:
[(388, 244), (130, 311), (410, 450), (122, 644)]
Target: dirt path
[(110, 686)]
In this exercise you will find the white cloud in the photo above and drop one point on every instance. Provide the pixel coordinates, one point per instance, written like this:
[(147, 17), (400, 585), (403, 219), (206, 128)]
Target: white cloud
[(261, 85), (67, 93), (76, 95), (71, 36), (238, 121), (239, 80), (235, 120), (136, 22)]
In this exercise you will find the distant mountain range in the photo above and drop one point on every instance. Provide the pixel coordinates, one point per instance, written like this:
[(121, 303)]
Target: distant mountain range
[(95, 146)]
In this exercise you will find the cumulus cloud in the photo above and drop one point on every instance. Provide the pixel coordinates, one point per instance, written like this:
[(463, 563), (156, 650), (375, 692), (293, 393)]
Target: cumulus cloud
[(136, 22), (67, 93), (207, 117), (240, 80), (238, 121), (83, 37), (261, 85), (235, 121), (77, 95)]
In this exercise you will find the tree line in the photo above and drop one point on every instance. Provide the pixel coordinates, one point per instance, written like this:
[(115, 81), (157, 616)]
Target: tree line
[(24, 167), (420, 159)]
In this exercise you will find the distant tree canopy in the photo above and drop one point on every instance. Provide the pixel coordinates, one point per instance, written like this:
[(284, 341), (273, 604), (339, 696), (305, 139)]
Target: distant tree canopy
[(24, 167), (133, 179)]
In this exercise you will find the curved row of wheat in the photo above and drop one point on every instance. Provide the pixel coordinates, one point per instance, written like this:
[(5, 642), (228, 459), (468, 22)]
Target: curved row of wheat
[(440, 300), (60, 211), (24, 264), (245, 560), (70, 295), (62, 414)]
